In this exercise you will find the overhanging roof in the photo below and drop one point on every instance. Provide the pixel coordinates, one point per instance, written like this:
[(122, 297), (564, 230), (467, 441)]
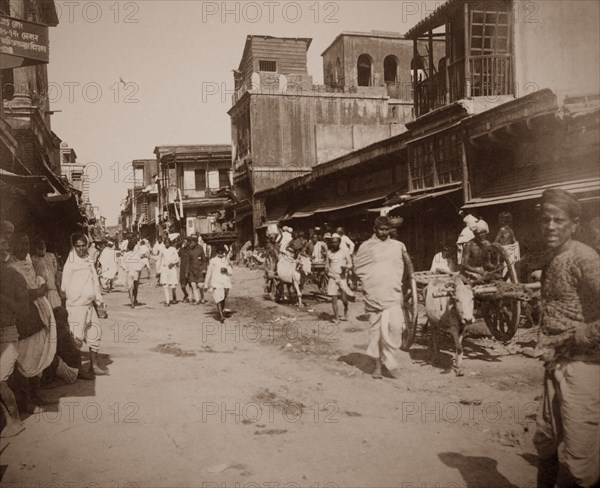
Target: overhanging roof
[(29, 184), (334, 203), (412, 197), (437, 18), (587, 189)]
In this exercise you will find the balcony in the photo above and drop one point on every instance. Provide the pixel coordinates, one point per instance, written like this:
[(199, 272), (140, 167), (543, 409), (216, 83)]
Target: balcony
[(477, 59), (481, 76)]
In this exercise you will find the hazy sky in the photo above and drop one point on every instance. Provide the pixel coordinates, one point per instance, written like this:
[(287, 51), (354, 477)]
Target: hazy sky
[(172, 56)]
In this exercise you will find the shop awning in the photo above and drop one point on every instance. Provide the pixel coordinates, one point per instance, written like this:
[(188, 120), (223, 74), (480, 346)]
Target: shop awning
[(335, 203), (412, 197), (586, 190), (27, 183), (529, 182)]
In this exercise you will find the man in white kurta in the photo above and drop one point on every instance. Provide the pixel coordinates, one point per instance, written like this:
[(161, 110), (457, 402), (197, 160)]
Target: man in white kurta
[(380, 264)]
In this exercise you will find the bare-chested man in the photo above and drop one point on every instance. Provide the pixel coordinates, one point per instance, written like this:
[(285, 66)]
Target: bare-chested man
[(475, 263), (506, 238)]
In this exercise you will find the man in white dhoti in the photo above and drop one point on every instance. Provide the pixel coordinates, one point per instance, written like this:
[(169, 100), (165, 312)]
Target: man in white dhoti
[(82, 288), (380, 264), (109, 262)]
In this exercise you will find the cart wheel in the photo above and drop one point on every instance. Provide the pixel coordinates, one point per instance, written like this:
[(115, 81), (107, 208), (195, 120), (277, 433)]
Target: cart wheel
[(411, 307), (501, 260), (502, 318)]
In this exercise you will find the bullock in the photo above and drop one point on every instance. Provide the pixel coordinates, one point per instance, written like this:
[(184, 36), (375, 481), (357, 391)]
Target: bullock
[(292, 272), (450, 304)]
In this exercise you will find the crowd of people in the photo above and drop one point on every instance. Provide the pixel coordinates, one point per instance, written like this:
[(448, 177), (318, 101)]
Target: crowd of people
[(50, 312), (51, 306), (568, 433)]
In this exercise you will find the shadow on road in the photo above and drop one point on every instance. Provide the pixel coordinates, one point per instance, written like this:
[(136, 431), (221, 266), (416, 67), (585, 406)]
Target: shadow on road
[(476, 470)]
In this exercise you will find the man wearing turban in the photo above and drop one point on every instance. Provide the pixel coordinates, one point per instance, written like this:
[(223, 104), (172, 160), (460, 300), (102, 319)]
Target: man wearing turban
[(568, 435), (475, 263)]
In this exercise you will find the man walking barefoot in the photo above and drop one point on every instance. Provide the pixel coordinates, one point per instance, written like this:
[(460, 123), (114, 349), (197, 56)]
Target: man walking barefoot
[(380, 264)]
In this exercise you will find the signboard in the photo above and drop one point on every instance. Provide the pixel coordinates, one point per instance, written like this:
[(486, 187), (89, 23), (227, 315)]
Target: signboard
[(23, 43)]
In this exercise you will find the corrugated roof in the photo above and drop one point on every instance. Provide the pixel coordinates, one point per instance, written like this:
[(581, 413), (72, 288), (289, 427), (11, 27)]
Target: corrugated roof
[(527, 185), (437, 18)]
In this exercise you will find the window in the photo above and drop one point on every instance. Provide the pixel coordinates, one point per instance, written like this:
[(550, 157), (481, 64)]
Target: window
[(435, 161), (363, 67), (223, 178), (76, 176), (421, 165), (200, 177), (448, 159), (267, 66), (390, 69)]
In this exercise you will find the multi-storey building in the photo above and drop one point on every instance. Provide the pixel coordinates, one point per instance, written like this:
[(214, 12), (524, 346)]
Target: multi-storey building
[(34, 197), (506, 106), (145, 197), (74, 172), (194, 187), (283, 125)]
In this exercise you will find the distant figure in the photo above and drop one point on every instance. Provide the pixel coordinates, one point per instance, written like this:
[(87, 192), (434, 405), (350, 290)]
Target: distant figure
[(345, 242), (218, 278), (338, 263), (506, 238), (286, 239), (169, 259), (184, 267), (144, 254), (132, 263), (108, 261), (196, 270)]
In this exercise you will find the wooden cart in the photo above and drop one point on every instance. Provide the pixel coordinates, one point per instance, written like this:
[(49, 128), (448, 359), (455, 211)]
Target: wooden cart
[(498, 301)]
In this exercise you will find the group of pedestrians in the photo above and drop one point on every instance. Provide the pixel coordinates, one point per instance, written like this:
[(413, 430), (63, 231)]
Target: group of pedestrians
[(179, 262), (48, 313)]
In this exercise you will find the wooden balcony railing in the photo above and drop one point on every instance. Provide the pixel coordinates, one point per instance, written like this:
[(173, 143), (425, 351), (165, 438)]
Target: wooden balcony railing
[(486, 76)]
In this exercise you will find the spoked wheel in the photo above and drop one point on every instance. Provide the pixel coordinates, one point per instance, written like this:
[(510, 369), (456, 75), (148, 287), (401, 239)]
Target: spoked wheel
[(502, 315), (502, 318), (411, 307)]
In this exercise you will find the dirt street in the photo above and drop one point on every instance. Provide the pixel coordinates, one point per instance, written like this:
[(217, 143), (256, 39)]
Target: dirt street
[(277, 397)]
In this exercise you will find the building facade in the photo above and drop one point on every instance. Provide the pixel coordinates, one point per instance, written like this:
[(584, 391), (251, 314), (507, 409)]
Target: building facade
[(479, 141), (194, 188), (283, 125), (33, 194)]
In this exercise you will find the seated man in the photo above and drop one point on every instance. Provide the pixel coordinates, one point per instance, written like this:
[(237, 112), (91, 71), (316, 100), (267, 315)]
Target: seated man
[(476, 263), (445, 260)]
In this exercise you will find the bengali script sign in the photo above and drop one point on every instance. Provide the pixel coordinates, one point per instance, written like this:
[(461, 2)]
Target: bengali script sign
[(24, 39)]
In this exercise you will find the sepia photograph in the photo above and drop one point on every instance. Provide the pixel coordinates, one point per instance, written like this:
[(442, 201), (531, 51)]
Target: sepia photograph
[(300, 244)]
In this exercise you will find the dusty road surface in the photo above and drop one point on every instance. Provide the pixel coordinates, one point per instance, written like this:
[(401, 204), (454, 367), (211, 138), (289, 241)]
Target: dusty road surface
[(276, 397)]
